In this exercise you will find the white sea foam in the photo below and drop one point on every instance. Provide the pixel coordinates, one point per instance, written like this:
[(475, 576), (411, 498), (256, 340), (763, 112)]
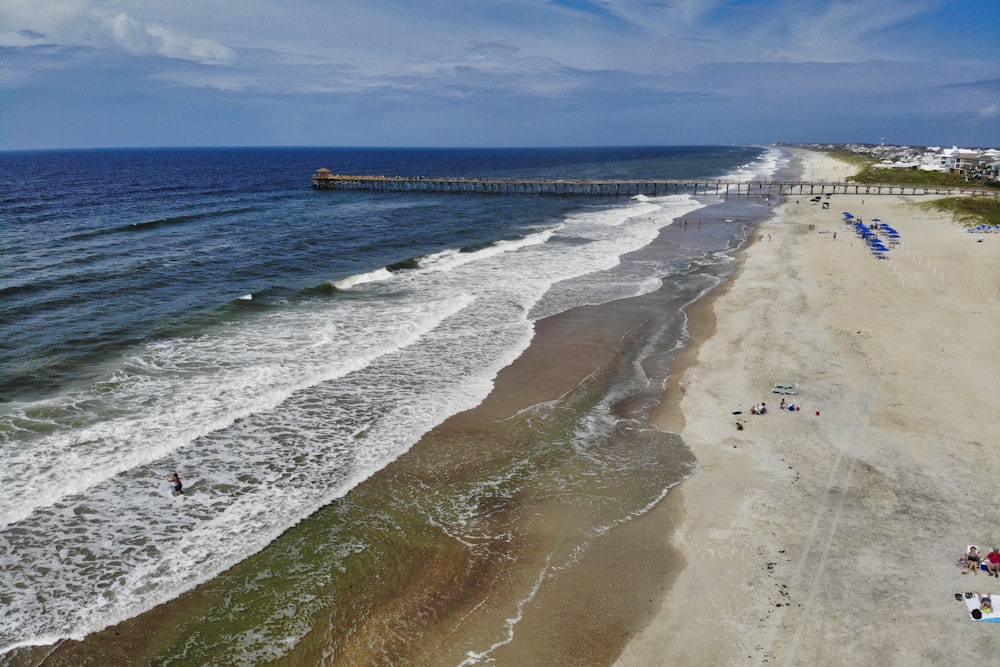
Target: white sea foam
[(593, 283), (377, 275), (452, 258), (761, 168), (269, 418), (174, 392), (477, 657)]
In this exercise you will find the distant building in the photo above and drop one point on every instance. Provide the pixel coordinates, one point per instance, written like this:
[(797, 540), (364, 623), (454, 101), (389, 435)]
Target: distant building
[(973, 163)]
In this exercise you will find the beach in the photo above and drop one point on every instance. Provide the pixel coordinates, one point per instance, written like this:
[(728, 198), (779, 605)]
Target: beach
[(517, 533), (831, 535)]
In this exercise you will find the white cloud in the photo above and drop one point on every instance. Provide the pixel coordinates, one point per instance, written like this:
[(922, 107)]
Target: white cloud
[(132, 35), (155, 39), (684, 59), (95, 24)]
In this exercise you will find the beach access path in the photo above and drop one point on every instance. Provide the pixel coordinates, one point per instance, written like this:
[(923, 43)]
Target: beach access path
[(830, 536)]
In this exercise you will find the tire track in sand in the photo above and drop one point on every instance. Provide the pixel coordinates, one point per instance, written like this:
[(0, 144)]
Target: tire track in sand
[(816, 550)]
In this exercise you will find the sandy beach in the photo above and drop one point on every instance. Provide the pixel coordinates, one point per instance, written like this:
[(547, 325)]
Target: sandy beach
[(830, 536)]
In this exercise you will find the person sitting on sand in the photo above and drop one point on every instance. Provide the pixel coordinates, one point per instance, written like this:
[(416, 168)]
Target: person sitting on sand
[(993, 563), (972, 560)]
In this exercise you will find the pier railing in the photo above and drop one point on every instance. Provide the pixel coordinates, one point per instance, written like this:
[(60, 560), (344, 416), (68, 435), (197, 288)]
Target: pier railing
[(325, 180)]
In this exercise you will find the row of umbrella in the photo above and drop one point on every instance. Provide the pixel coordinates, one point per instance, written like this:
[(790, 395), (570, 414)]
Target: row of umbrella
[(887, 230), (870, 236)]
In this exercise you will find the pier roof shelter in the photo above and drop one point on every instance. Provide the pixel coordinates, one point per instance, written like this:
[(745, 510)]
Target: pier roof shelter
[(322, 174)]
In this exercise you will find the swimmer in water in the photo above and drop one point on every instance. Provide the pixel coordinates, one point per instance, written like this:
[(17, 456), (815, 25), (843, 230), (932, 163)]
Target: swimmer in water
[(178, 485)]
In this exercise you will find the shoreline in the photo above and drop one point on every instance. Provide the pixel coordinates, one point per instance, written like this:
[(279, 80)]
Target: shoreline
[(568, 349), (662, 521), (797, 511), (831, 535)]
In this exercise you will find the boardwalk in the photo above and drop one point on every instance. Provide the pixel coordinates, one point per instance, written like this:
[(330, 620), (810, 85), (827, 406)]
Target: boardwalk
[(324, 180)]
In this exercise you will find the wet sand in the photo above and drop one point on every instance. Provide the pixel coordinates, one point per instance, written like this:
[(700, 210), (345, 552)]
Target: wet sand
[(830, 535)]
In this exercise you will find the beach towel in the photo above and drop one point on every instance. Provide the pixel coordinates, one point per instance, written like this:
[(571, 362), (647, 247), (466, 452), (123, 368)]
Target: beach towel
[(972, 602)]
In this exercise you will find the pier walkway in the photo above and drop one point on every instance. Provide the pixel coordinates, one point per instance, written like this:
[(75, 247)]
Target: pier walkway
[(323, 179)]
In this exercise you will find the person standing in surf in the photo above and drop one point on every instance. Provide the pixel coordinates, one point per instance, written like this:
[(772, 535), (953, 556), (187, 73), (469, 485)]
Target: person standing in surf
[(178, 485)]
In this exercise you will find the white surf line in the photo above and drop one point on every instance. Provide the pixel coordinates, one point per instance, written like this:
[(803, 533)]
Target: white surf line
[(475, 658)]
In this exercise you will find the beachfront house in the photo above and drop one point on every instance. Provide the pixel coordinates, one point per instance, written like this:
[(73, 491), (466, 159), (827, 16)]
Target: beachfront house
[(953, 160)]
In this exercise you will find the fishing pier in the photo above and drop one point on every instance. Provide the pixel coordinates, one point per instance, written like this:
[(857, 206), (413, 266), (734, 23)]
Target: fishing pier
[(323, 179)]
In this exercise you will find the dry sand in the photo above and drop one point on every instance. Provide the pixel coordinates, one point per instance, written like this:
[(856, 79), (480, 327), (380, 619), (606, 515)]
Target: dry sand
[(830, 536)]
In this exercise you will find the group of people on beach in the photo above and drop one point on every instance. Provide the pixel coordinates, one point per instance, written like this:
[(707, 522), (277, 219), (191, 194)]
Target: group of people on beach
[(761, 409), (755, 409), (974, 562)]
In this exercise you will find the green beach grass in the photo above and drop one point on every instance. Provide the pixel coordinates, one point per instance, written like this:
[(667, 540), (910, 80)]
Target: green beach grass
[(868, 173), (969, 211)]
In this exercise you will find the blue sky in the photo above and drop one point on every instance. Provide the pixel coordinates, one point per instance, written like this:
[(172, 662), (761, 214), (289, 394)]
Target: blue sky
[(135, 73)]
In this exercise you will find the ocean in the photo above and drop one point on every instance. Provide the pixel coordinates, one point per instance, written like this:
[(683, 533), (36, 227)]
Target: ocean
[(284, 350)]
